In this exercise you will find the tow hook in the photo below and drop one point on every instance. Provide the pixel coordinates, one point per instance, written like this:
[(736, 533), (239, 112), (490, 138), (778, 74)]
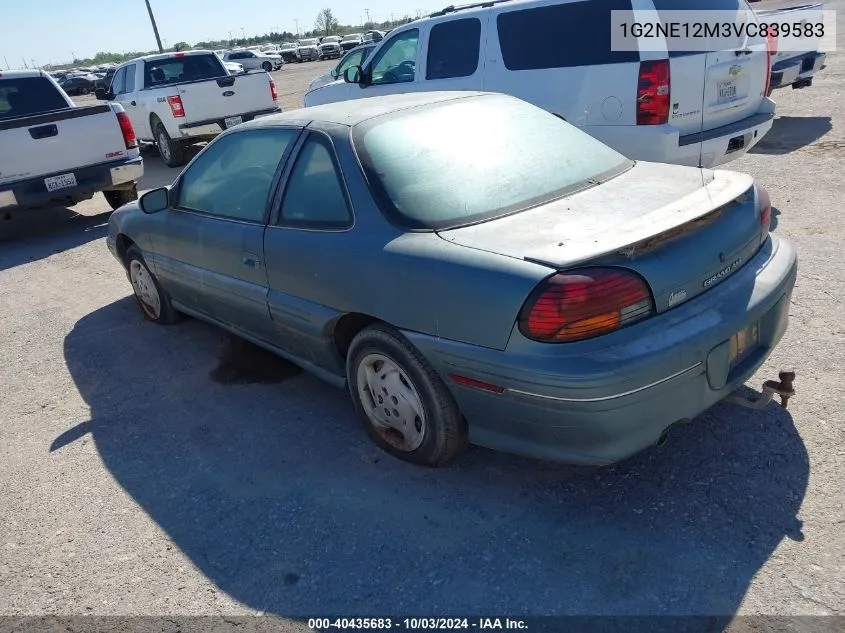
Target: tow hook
[(771, 388)]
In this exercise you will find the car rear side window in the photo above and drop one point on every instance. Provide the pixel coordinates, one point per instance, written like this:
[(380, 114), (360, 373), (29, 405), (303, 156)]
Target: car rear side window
[(314, 196), (453, 49), (25, 96), (232, 178), (118, 82), (561, 35)]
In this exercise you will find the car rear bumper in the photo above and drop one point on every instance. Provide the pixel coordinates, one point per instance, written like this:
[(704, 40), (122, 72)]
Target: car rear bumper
[(33, 192), (790, 71), (609, 402), (213, 127), (711, 148)]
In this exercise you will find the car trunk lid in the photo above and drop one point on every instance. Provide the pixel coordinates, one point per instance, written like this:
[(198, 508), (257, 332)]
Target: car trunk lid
[(684, 230)]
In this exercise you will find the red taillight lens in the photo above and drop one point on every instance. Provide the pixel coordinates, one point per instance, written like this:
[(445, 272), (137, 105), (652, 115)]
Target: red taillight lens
[(653, 93), (126, 129), (273, 92), (765, 204), (585, 303), (772, 48), (176, 106)]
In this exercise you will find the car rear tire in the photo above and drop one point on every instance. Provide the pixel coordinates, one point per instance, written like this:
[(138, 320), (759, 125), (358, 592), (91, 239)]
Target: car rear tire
[(267, 66), (172, 152), (153, 300), (404, 405), (119, 197)]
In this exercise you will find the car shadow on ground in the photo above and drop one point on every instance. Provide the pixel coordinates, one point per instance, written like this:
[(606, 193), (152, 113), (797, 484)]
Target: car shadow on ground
[(790, 133), (28, 235), (272, 489)]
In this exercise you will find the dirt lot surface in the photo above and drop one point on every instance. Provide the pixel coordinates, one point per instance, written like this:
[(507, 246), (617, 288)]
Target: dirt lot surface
[(168, 470)]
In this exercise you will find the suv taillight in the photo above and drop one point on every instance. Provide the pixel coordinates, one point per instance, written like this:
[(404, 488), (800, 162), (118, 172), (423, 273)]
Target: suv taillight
[(584, 303), (176, 106), (653, 93), (772, 48), (765, 204), (127, 130), (273, 92)]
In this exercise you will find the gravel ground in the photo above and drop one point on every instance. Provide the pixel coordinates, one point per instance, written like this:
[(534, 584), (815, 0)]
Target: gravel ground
[(154, 470)]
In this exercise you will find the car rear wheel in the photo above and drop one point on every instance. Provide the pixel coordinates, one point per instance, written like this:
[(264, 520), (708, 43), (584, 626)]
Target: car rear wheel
[(152, 298), (119, 197), (267, 66), (172, 152), (405, 407)]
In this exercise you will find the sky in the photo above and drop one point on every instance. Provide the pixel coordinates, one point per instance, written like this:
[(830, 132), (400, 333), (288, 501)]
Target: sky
[(53, 31)]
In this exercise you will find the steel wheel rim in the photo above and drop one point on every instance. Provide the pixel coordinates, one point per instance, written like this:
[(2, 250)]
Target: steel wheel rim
[(163, 146), (145, 289), (391, 402)]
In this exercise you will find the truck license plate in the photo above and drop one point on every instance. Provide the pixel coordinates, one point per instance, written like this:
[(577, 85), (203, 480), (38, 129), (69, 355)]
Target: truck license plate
[(744, 342), (727, 90), (232, 121), (54, 183)]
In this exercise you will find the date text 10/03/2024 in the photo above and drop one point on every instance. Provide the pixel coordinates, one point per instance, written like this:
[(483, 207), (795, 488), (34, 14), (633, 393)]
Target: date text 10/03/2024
[(416, 624)]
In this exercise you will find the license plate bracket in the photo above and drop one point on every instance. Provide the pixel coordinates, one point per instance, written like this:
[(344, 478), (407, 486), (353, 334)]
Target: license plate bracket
[(232, 121), (62, 181), (744, 343)]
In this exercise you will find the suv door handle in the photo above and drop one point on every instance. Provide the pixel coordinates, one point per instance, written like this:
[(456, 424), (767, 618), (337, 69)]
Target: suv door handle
[(133, 103), (251, 260)]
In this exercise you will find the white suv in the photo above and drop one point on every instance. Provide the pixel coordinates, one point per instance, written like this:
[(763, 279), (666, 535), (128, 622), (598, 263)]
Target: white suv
[(685, 108)]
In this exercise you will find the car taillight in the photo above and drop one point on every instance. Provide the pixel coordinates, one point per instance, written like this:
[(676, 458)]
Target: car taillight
[(765, 204), (176, 106), (653, 93), (126, 129), (772, 49), (273, 92), (584, 303)]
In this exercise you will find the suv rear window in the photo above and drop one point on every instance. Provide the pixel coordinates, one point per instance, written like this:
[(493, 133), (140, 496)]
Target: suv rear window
[(561, 35), (453, 49), (26, 96), (177, 69)]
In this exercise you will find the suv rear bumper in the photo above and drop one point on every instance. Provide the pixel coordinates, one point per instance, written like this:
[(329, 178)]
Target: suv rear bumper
[(789, 71), (664, 144), (33, 193)]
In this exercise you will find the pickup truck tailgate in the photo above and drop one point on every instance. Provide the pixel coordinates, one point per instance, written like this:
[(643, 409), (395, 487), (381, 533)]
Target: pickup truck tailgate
[(57, 141), (214, 99)]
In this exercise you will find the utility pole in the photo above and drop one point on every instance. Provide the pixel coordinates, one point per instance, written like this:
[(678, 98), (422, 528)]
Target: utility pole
[(297, 26), (243, 33), (367, 11), (155, 28)]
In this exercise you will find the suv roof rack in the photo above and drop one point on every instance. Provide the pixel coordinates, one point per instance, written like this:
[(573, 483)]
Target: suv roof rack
[(452, 8)]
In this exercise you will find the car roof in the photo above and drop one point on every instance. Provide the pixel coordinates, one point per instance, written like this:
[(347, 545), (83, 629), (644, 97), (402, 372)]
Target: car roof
[(158, 56), (355, 111), (15, 74)]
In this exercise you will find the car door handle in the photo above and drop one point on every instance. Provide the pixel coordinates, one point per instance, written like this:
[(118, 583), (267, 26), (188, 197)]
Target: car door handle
[(251, 260), (45, 131), (133, 103)]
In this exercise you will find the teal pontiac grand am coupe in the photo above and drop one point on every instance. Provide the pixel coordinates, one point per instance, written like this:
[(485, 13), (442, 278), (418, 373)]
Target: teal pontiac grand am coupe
[(473, 269)]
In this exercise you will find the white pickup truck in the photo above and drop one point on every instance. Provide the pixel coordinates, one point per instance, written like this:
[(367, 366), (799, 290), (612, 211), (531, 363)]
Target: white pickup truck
[(176, 99), (53, 152)]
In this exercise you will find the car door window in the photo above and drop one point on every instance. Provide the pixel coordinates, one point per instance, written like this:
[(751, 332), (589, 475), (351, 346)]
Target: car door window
[(117, 82), (453, 49), (314, 196), (355, 58), (232, 178), (129, 83), (396, 61)]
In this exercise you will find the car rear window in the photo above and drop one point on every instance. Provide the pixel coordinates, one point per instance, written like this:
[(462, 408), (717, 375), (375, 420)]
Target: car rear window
[(561, 35), (468, 160), (26, 96), (177, 69)]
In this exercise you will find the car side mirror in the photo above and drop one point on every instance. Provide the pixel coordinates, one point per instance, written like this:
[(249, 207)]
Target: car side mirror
[(333, 73), (103, 94), (353, 75), (155, 200)]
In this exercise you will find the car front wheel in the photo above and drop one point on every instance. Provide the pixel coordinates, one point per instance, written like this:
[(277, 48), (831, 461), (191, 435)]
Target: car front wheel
[(267, 66), (152, 298), (403, 403)]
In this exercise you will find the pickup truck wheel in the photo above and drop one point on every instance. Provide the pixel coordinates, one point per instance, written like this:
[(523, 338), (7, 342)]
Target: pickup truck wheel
[(267, 66), (152, 298), (172, 152), (119, 197)]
